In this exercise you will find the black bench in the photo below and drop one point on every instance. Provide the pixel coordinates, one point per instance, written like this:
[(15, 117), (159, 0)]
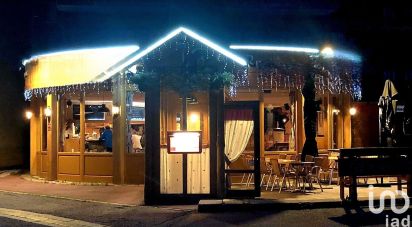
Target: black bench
[(373, 162)]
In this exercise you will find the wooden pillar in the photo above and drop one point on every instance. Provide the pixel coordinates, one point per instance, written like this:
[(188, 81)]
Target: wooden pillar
[(35, 136), (82, 134), (52, 137), (184, 128), (217, 164), (220, 159), (262, 126), (213, 142), (119, 130), (300, 131), (152, 153), (329, 114), (347, 122)]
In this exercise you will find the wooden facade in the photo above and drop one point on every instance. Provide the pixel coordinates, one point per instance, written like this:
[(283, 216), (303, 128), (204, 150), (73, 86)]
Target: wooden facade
[(167, 177)]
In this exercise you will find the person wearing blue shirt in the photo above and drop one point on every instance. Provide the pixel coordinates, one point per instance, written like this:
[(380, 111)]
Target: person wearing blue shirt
[(106, 137)]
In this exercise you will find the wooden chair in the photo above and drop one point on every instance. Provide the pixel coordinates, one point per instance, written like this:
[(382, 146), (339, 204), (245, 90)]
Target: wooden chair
[(315, 172), (279, 173), (265, 170)]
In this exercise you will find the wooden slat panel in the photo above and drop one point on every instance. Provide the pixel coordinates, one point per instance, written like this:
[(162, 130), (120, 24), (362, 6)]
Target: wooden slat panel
[(98, 165), (198, 179), (134, 169), (44, 162), (171, 171), (69, 164)]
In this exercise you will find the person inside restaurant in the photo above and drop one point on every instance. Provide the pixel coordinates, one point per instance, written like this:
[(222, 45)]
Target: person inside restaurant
[(106, 138)]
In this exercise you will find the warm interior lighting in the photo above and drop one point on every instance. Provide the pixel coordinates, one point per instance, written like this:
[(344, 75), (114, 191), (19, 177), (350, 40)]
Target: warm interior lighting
[(47, 112), (335, 111), (352, 111), (327, 51), (138, 104), (29, 114), (115, 110), (194, 117)]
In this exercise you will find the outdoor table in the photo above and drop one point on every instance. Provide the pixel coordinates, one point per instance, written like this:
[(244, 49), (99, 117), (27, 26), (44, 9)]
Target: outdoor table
[(333, 162), (301, 170), (285, 161)]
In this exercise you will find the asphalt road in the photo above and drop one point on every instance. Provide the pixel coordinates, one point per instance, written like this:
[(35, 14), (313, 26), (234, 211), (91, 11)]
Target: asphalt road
[(114, 215)]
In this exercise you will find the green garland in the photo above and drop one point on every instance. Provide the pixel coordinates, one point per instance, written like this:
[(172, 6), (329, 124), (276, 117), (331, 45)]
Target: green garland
[(183, 83)]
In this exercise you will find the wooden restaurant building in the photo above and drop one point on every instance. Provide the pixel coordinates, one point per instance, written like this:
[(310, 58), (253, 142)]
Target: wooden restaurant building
[(181, 113)]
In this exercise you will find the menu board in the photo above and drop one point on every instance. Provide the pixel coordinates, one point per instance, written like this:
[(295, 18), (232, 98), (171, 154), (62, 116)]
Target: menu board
[(184, 142), (136, 113)]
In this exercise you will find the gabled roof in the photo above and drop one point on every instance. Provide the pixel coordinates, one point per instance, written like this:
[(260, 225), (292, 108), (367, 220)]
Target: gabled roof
[(132, 59)]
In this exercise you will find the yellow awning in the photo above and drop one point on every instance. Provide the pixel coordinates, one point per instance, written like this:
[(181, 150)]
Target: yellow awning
[(72, 67)]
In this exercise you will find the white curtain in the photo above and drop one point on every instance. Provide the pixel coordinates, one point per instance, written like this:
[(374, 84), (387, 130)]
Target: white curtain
[(238, 129)]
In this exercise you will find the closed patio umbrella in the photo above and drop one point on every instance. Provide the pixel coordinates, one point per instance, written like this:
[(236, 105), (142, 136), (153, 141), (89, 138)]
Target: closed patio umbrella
[(387, 109)]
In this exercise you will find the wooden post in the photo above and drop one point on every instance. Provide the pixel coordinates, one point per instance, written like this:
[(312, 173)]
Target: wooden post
[(152, 153), (300, 132), (184, 128), (220, 160), (52, 137), (213, 142), (35, 138), (262, 126), (82, 133), (353, 194), (119, 130)]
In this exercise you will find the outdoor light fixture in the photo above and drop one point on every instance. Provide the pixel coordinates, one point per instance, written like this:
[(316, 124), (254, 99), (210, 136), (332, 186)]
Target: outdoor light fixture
[(29, 114), (274, 48), (115, 110), (352, 111), (335, 111), (327, 52), (47, 112)]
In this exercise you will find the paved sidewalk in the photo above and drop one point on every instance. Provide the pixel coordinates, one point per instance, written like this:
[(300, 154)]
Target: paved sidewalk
[(43, 219), (114, 194)]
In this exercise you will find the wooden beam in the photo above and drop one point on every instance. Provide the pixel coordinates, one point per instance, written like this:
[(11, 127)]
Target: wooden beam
[(220, 159), (300, 130), (35, 138), (52, 137), (119, 130), (82, 134), (152, 154)]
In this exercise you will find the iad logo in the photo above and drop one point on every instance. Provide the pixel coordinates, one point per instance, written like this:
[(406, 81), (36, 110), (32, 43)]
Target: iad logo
[(392, 195)]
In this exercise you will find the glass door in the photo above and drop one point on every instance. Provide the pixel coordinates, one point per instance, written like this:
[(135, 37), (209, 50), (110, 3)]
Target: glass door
[(242, 149)]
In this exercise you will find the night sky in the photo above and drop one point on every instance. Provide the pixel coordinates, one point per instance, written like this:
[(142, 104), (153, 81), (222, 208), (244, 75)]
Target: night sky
[(381, 33)]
